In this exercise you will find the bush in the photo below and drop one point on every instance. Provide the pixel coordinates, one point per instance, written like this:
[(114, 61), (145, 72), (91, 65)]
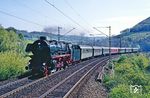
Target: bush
[(121, 59), (12, 64), (130, 70), (121, 91), (106, 78), (110, 84)]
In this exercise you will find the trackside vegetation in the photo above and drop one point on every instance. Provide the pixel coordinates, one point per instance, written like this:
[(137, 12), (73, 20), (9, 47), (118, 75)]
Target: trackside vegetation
[(129, 70), (12, 56)]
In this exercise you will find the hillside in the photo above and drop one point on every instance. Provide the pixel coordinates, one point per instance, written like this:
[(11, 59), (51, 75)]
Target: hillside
[(137, 36), (143, 26)]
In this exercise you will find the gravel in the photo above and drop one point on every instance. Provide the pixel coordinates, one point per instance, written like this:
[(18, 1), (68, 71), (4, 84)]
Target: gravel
[(92, 88), (7, 81)]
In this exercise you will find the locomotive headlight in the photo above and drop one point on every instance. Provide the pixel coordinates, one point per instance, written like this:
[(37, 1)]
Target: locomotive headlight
[(44, 63), (39, 43)]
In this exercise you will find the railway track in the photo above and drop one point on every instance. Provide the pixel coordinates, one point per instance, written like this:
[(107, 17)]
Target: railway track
[(26, 87), (73, 92), (4, 82), (13, 85), (70, 85)]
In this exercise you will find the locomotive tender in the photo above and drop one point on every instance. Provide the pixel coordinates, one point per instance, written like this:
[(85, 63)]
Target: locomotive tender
[(52, 55)]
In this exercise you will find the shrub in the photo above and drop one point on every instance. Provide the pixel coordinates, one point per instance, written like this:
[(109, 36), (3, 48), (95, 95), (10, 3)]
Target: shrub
[(106, 78), (121, 59), (110, 84), (121, 91), (130, 70), (12, 64)]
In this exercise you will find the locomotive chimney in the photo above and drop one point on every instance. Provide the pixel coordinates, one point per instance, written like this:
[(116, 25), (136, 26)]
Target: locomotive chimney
[(42, 38)]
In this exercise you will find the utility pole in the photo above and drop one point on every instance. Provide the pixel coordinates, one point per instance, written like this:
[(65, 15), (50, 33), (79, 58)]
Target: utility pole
[(109, 37), (93, 42), (120, 42), (50, 34), (119, 39), (59, 33), (110, 45)]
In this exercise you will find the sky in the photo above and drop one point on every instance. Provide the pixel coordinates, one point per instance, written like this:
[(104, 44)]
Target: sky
[(83, 15)]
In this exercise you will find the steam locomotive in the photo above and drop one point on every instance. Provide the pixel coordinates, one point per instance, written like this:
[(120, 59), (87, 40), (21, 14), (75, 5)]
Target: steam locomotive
[(51, 55)]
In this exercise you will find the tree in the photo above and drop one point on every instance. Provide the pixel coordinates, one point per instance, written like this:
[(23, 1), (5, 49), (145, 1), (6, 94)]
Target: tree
[(9, 40)]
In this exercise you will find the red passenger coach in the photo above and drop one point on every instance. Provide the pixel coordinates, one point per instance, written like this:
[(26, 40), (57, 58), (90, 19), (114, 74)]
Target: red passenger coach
[(114, 50)]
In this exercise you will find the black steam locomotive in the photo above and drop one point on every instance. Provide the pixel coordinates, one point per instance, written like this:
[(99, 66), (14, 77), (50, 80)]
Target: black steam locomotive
[(47, 55)]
